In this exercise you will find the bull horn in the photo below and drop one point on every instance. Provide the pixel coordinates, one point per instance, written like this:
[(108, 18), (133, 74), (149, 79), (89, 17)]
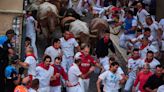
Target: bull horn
[(94, 31), (92, 36), (77, 36)]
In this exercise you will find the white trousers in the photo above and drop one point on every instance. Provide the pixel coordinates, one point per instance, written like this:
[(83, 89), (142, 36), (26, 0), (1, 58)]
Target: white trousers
[(84, 84), (44, 89), (128, 85), (55, 89), (124, 38), (33, 43), (67, 62), (77, 88)]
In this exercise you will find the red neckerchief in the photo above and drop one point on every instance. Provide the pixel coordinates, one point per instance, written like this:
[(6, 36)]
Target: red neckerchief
[(143, 46), (43, 66), (83, 55), (70, 36), (148, 61), (105, 40), (158, 76), (135, 58), (31, 55)]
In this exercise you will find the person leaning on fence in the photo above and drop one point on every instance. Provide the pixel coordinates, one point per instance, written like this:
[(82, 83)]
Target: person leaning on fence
[(130, 29), (12, 75)]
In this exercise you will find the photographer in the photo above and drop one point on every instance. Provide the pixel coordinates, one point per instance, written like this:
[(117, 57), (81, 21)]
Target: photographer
[(12, 75)]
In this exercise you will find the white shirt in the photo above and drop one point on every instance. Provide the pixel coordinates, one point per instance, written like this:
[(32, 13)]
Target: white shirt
[(138, 43), (73, 74), (152, 64), (32, 65), (105, 62), (134, 66), (161, 24), (144, 51), (44, 76), (67, 46), (111, 81), (150, 38), (161, 88), (31, 90), (154, 27), (52, 52), (142, 15), (30, 28)]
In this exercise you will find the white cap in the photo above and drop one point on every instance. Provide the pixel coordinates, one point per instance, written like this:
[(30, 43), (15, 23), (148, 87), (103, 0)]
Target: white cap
[(77, 56)]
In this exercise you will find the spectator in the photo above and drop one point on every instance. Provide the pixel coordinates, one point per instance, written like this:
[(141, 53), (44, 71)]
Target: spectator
[(133, 68), (130, 28), (29, 63), (44, 72), (147, 34), (155, 80), (146, 46), (54, 50), (27, 42), (135, 42), (31, 28), (112, 79), (161, 24), (155, 31), (11, 74), (141, 14), (34, 86), (142, 77), (11, 53), (5, 44), (150, 60), (58, 74), (68, 43)]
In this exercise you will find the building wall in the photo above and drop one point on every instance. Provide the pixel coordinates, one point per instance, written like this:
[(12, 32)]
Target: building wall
[(8, 10), (160, 9), (11, 5)]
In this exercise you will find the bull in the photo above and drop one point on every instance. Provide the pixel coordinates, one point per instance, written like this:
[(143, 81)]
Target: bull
[(81, 32), (48, 18)]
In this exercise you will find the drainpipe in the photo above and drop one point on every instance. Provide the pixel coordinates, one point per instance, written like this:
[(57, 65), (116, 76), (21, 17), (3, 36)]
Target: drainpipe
[(23, 31)]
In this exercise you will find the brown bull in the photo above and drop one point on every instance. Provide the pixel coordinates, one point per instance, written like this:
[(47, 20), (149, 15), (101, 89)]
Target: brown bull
[(98, 27), (65, 22), (59, 3), (48, 18)]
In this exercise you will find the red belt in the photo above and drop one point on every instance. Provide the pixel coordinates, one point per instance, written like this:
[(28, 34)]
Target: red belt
[(74, 85)]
